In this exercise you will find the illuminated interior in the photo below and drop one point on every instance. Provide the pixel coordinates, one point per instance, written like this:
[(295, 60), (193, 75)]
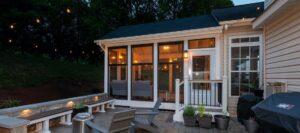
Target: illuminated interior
[(202, 43), (142, 73), (118, 72), (170, 67)]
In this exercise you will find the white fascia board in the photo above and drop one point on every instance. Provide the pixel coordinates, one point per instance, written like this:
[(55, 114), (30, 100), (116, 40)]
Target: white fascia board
[(159, 36), (243, 21), (260, 21)]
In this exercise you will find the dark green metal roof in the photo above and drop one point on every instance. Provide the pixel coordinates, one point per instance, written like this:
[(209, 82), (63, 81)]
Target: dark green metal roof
[(237, 12), (197, 22)]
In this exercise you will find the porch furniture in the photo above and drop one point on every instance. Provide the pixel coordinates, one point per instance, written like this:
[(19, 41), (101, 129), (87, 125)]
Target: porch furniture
[(42, 119), (120, 122), (142, 88), (119, 87), (105, 100), (144, 118)]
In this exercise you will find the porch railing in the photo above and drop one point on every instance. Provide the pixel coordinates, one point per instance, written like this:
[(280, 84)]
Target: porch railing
[(205, 92), (210, 93)]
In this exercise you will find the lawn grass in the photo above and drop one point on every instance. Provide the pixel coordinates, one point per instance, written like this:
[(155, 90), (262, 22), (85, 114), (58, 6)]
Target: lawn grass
[(25, 70)]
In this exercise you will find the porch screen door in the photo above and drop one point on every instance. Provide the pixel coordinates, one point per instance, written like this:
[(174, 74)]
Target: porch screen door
[(202, 68)]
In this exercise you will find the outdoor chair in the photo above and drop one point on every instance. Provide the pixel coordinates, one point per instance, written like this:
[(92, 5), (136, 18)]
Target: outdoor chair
[(121, 122), (144, 118)]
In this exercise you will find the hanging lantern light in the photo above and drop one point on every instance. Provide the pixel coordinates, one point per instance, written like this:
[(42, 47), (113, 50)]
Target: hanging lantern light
[(11, 26), (185, 54), (10, 40), (68, 10), (38, 20)]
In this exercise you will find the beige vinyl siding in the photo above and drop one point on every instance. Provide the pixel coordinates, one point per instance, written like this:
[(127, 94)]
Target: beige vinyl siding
[(282, 49)]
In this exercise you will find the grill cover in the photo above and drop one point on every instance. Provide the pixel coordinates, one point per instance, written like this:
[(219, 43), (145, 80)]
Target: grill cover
[(281, 109)]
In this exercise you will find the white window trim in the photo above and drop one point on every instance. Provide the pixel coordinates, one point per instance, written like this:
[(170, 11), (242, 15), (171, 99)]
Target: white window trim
[(259, 43)]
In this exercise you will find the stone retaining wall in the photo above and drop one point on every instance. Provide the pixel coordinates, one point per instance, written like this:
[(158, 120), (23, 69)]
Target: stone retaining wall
[(26, 110)]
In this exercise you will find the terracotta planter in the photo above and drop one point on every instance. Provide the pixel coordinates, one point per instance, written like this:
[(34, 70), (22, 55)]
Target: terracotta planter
[(189, 121), (204, 121), (222, 121)]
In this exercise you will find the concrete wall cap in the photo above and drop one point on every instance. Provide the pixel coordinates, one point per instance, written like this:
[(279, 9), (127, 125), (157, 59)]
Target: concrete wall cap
[(12, 122)]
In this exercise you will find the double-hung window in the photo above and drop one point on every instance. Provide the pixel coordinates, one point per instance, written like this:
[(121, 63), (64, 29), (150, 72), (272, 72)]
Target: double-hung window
[(244, 64)]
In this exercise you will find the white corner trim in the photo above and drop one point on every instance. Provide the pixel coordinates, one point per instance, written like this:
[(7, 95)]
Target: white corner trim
[(268, 13), (176, 34)]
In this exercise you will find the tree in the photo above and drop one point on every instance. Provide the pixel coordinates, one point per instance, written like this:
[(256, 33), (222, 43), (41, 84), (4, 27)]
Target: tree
[(67, 28)]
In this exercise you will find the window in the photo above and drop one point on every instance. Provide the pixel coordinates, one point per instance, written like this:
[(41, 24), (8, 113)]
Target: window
[(142, 73), (202, 43), (245, 65), (245, 40), (117, 72), (170, 67)]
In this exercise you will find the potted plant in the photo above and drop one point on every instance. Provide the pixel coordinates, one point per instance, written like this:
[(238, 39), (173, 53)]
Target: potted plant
[(222, 121), (251, 125), (189, 116), (278, 87), (204, 119), (79, 108)]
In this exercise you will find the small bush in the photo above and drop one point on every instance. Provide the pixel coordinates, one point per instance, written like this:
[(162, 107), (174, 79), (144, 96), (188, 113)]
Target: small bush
[(8, 103), (201, 110), (79, 106), (189, 111)]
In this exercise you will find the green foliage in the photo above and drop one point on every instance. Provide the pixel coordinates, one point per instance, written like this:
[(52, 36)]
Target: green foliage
[(201, 110), (60, 32), (8, 103), (189, 111), (26, 70), (278, 84), (79, 106)]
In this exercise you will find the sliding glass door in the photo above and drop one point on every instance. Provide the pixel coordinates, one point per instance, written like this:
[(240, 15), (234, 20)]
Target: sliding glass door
[(117, 72), (170, 67), (142, 73)]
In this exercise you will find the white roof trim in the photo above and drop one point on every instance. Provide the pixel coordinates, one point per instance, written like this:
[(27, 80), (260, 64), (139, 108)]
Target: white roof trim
[(243, 20), (260, 21), (158, 36)]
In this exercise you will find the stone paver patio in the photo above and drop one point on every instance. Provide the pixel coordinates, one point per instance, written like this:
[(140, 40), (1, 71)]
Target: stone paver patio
[(163, 120)]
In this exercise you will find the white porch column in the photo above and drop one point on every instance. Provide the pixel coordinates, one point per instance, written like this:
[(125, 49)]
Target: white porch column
[(177, 97), (224, 94), (106, 70), (129, 72), (186, 74), (155, 66)]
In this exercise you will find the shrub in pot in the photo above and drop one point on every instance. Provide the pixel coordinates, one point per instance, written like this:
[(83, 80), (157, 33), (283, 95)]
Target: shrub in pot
[(222, 121), (251, 125), (204, 119), (189, 116), (79, 108)]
